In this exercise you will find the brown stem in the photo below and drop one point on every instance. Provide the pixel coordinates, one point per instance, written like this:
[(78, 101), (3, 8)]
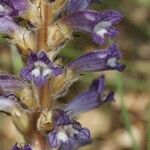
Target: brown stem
[(35, 138), (39, 142), (45, 98), (46, 20)]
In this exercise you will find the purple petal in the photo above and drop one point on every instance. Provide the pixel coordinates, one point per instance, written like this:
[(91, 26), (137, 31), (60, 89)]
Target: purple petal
[(15, 6), (91, 99), (7, 25), (26, 147), (60, 118), (98, 24), (78, 5), (20, 5), (84, 134), (39, 69), (98, 61), (9, 82), (53, 141), (67, 134)]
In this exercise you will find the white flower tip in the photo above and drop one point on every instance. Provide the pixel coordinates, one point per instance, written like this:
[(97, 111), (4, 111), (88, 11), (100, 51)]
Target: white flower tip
[(62, 136), (112, 62)]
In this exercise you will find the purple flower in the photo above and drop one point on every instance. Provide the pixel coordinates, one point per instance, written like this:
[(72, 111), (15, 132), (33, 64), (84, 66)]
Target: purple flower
[(13, 7), (100, 25), (39, 69), (78, 5), (98, 61), (26, 147), (91, 99), (10, 83), (7, 25), (8, 10), (68, 134)]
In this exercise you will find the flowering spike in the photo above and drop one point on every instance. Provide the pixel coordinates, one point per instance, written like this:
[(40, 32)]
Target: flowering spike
[(39, 29), (98, 61)]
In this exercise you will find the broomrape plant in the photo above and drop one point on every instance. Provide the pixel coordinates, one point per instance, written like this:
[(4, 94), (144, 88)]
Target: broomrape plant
[(39, 29)]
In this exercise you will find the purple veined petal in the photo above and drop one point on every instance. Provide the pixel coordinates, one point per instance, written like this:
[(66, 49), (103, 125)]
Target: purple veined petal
[(9, 83), (60, 117), (39, 69), (91, 99), (98, 61), (7, 25), (100, 25), (15, 6), (26, 147), (78, 5), (84, 135), (73, 144), (44, 58), (53, 141), (67, 135), (20, 5)]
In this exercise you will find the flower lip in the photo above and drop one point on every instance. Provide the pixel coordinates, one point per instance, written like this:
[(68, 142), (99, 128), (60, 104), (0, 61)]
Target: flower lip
[(67, 134), (101, 28), (40, 69)]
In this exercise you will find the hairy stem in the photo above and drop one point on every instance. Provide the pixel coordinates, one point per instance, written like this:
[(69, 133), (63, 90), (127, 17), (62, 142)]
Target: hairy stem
[(46, 20), (45, 96), (37, 140)]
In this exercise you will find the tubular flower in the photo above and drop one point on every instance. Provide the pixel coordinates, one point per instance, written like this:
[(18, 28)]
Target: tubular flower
[(68, 134), (39, 69), (98, 61), (91, 99), (100, 25)]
